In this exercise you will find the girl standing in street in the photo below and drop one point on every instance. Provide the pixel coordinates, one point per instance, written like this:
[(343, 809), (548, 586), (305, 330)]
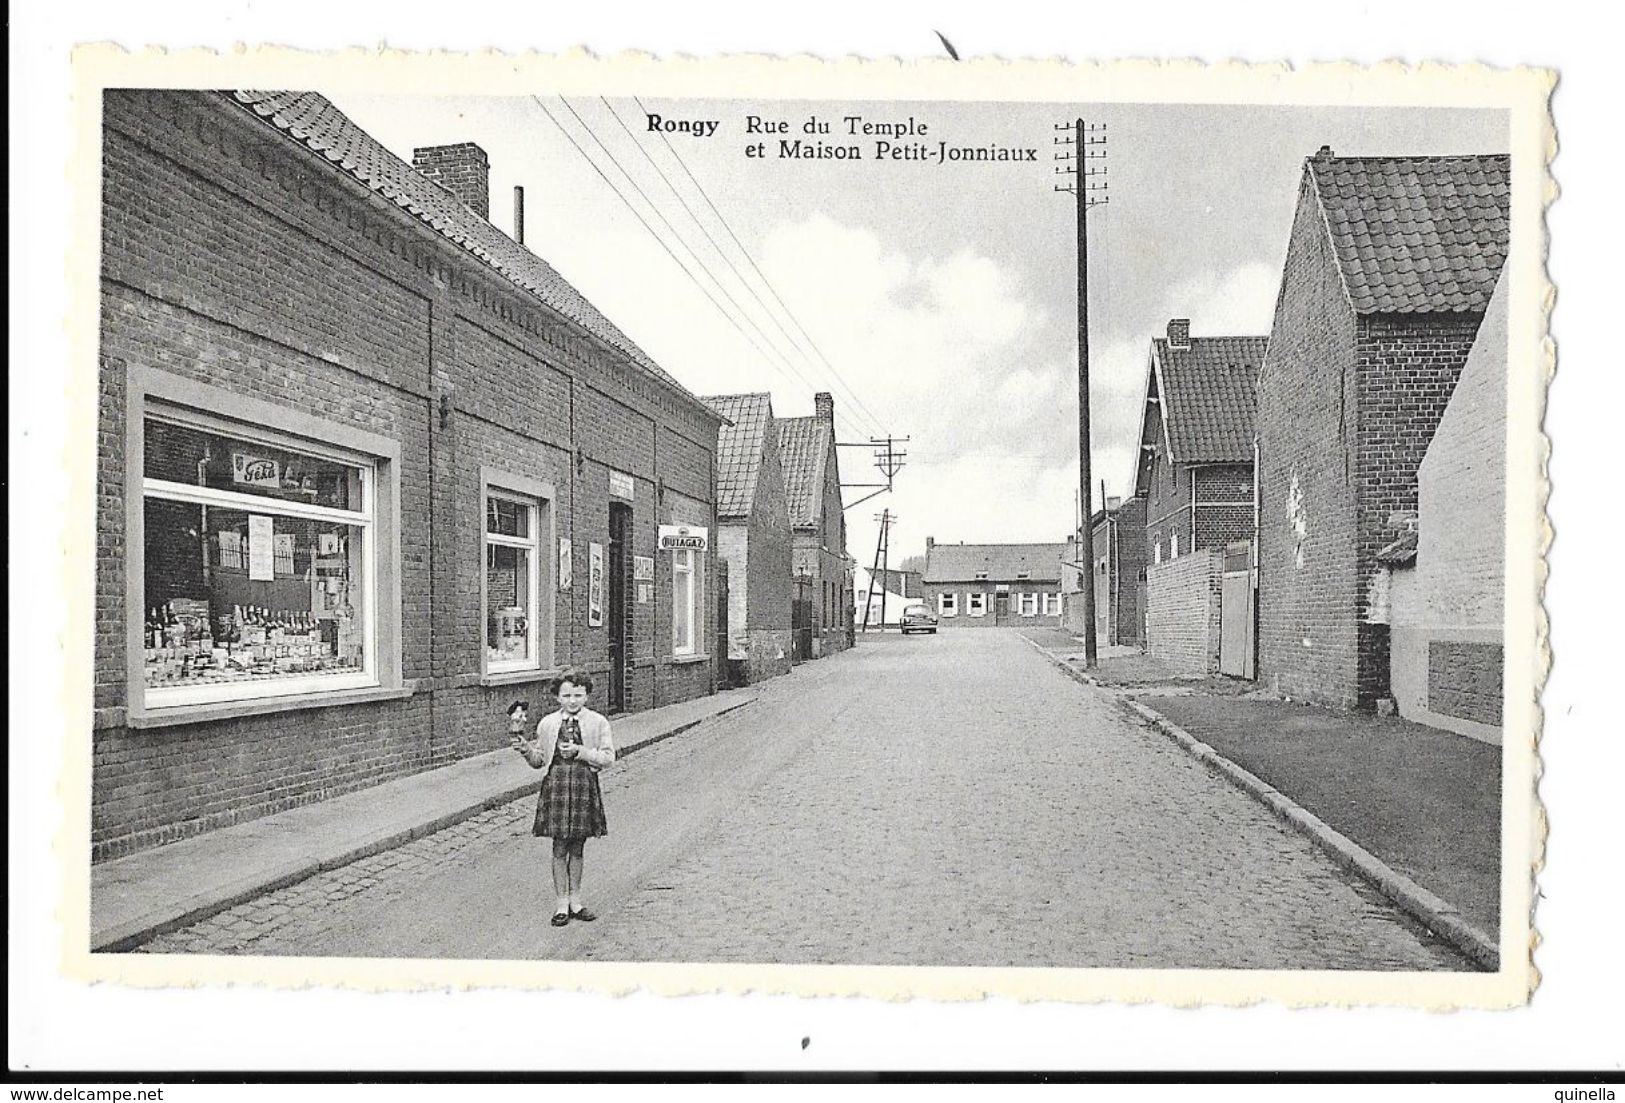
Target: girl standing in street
[(572, 744)]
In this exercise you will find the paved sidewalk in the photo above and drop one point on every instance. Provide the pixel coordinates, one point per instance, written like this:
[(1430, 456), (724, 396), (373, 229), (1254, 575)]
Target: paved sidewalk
[(1415, 801), (165, 888)]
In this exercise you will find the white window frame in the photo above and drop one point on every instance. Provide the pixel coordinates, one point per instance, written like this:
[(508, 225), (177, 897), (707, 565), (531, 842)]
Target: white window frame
[(538, 497), (687, 561), (1173, 546), (1156, 553), (1052, 605), (948, 605), (976, 604), (158, 395), (1028, 604)]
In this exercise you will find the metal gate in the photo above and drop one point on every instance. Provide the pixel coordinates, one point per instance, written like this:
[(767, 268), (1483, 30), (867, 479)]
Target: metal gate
[(1236, 612), (801, 621)]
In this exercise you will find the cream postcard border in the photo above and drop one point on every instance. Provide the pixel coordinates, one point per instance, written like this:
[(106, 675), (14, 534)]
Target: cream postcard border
[(1523, 93)]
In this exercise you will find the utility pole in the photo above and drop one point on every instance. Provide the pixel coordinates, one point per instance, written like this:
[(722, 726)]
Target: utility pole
[(878, 572), (1086, 141), (888, 458)]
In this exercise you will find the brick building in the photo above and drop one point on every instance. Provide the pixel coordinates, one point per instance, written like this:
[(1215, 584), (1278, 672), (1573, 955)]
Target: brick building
[(994, 585), (823, 602), (1118, 564), (753, 537), (1195, 475), (367, 471), (1390, 265), (1448, 581)]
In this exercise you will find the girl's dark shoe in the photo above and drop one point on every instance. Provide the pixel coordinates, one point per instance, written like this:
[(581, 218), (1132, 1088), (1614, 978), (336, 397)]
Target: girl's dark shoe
[(586, 915), (560, 919)]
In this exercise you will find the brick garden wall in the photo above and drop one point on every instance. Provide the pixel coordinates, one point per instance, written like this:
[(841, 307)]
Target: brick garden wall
[(1183, 611), (232, 258)]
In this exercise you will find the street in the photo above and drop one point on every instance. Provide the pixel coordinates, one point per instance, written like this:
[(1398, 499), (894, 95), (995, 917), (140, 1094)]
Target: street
[(937, 800)]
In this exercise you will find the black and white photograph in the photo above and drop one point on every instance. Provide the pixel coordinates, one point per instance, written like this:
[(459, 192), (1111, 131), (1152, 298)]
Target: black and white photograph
[(1018, 534), (772, 528)]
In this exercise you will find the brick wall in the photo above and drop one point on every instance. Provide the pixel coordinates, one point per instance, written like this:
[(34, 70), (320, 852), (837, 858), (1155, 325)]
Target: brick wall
[(1407, 367), (1224, 510), (233, 258), (1307, 418), (1464, 680), (1182, 616)]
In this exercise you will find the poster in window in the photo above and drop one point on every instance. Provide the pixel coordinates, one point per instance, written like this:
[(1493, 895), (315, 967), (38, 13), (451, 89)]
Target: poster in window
[(261, 548), (595, 585), (564, 564), (249, 470)]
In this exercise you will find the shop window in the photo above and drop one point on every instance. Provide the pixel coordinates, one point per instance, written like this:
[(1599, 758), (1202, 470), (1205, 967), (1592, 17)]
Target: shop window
[(259, 563), (517, 584), (1027, 604), (976, 604), (686, 601), (947, 605)]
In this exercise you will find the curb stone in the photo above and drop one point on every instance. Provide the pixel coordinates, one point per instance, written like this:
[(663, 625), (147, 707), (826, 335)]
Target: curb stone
[(1432, 911), (127, 936)]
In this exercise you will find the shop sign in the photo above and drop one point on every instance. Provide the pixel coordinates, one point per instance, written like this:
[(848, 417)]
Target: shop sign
[(643, 568), (684, 538), (621, 485), (595, 585), (247, 470)]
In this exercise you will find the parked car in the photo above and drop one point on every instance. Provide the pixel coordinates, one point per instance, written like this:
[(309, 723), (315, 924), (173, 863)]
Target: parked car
[(919, 618)]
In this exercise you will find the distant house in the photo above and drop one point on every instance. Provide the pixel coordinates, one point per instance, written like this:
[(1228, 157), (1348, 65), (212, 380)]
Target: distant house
[(1447, 583), (753, 538), (886, 593), (1390, 266), (822, 610), (1195, 475), (994, 585)]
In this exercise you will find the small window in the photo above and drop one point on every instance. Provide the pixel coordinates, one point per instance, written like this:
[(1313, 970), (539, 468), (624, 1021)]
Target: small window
[(1028, 604), (1156, 552), (948, 605), (1023, 574), (976, 604), (513, 588), (1173, 546), (685, 602), (981, 574), (1052, 605)]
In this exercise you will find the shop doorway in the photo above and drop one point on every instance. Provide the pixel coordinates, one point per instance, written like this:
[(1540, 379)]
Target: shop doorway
[(1001, 608), (620, 535)]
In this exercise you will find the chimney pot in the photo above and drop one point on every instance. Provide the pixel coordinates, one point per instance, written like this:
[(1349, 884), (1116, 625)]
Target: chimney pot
[(462, 169), (1324, 153), (1179, 333), (824, 405)]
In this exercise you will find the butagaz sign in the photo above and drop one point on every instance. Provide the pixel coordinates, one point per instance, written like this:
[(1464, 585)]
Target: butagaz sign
[(683, 538)]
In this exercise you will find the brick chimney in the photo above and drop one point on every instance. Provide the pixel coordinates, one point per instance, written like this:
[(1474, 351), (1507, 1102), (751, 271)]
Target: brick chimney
[(1324, 153), (929, 544), (462, 169), (824, 406), (1179, 333)]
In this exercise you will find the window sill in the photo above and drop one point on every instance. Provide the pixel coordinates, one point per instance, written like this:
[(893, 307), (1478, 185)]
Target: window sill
[(686, 660), (515, 677), (231, 710)]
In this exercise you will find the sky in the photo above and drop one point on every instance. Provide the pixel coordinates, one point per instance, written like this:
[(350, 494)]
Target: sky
[(935, 301)]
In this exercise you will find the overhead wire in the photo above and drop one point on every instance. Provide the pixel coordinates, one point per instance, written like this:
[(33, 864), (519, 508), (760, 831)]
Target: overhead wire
[(858, 402), (734, 321)]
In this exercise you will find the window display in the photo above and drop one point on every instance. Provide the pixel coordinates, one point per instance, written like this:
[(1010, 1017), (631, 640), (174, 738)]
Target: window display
[(511, 565), (257, 568)]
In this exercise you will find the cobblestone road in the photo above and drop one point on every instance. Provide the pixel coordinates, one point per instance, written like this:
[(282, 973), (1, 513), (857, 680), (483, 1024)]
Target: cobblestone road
[(938, 800)]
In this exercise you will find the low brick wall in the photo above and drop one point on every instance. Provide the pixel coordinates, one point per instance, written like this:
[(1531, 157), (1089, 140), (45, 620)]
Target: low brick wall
[(1182, 620)]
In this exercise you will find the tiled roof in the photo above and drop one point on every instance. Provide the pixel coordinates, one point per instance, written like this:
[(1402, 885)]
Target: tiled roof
[(313, 121), (1001, 562), (803, 444), (739, 449), (1209, 397), (1416, 234)]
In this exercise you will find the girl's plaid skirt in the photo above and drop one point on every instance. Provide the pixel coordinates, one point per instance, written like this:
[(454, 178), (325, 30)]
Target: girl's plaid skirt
[(570, 806)]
